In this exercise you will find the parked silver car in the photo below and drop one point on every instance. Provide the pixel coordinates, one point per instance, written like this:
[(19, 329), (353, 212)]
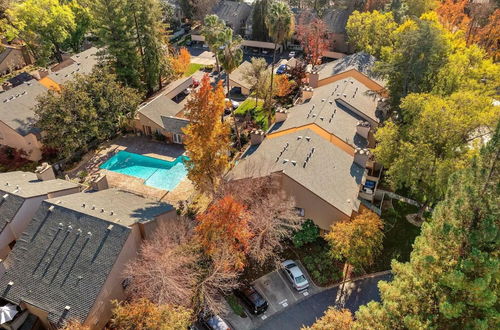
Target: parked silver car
[(295, 275)]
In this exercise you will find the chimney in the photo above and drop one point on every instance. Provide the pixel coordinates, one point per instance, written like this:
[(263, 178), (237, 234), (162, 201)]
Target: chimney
[(314, 79), (39, 74), (307, 93), (100, 183), (361, 156), (45, 172), (257, 136), (363, 128), (281, 115), (6, 86)]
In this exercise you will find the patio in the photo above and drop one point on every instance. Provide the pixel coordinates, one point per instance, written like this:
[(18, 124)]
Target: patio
[(139, 145)]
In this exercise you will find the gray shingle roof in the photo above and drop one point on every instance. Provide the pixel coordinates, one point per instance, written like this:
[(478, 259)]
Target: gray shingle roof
[(174, 125), (18, 186), (234, 13), (17, 104), (324, 110), (330, 172), (160, 107), (114, 205), (335, 19), (9, 207), (361, 62), (57, 263), (84, 63), (238, 75)]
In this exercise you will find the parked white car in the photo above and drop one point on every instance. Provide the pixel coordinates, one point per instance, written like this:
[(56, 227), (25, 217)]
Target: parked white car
[(295, 275)]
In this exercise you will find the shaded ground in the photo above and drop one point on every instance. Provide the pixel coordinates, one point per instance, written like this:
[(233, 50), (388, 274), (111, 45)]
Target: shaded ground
[(399, 235)]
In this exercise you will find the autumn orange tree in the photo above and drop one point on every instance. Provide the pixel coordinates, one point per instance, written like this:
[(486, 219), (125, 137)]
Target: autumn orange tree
[(180, 63), (284, 85), (142, 314), (74, 325), (314, 39), (224, 227), (359, 241), (207, 138)]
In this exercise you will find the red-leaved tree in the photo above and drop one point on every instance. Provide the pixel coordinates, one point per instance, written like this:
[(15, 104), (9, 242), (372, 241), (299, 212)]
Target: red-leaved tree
[(224, 227), (314, 39)]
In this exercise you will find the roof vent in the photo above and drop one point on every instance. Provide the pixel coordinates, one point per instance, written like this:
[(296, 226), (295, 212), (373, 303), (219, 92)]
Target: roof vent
[(111, 213), (61, 225), (83, 205), (308, 138), (89, 234), (294, 162), (5, 196), (70, 228), (67, 308), (344, 95), (331, 102), (322, 118), (110, 227), (285, 161), (323, 100), (93, 207), (10, 283), (51, 208), (102, 210), (78, 231), (299, 137)]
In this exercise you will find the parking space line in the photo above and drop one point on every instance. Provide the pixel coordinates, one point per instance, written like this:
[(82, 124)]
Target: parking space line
[(269, 305), (287, 284)]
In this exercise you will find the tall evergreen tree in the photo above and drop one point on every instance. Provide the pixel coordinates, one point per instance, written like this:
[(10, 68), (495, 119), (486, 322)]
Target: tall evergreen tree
[(452, 279), (116, 31), (132, 32), (259, 29)]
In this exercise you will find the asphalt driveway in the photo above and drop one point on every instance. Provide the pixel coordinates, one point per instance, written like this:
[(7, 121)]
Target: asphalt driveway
[(279, 293), (306, 311)]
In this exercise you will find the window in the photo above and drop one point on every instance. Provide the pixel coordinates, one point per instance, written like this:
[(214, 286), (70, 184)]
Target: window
[(300, 211), (177, 138)]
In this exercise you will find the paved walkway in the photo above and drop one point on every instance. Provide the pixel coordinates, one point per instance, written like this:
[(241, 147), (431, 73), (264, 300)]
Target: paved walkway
[(306, 311)]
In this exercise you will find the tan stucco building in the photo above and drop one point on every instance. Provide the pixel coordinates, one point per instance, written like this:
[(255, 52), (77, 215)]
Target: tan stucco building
[(69, 262), (21, 193), (319, 150)]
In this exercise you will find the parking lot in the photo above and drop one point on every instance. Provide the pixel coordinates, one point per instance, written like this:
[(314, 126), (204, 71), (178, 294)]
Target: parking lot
[(279, 293)]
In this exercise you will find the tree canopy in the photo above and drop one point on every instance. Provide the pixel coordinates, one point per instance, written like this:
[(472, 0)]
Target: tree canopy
[(451, 280), (207, 138), (357, 241), (89, 109)]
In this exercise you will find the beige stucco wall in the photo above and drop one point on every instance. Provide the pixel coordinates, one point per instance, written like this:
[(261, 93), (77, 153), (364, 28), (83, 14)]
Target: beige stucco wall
[(322, 213), (13, 60), (112, 289), (142, 120), (28, 143)]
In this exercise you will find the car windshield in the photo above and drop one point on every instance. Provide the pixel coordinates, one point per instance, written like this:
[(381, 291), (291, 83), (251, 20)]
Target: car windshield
[(300, 279)]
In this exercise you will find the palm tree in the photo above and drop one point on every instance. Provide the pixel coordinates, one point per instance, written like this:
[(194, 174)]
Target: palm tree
[(230, 55), (213, 26), (281, 25)]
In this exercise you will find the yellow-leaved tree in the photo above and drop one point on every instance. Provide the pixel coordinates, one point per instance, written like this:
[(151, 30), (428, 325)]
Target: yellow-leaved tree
[(207, 137), (142, 314), (358, 241), (338, 319)]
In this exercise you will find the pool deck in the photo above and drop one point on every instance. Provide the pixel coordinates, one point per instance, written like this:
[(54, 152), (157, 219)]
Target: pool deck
[(142, 146)]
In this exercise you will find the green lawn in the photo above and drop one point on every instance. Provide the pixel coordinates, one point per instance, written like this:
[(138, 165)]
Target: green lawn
[(192, 68), (399, 235), (258, 115)]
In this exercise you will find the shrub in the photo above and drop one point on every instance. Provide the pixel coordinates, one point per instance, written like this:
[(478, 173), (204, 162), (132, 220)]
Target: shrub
[(308, 234), (322, 268), (235, 305)]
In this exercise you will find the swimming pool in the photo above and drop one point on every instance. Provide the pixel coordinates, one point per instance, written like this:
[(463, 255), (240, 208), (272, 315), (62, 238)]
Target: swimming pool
[(155, 172)]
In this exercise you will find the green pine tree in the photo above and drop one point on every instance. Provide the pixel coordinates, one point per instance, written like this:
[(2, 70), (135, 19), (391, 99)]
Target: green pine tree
[(452, 279)]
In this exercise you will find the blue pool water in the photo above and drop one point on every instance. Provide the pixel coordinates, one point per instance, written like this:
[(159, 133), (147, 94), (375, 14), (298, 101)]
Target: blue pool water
[(155, 172)]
